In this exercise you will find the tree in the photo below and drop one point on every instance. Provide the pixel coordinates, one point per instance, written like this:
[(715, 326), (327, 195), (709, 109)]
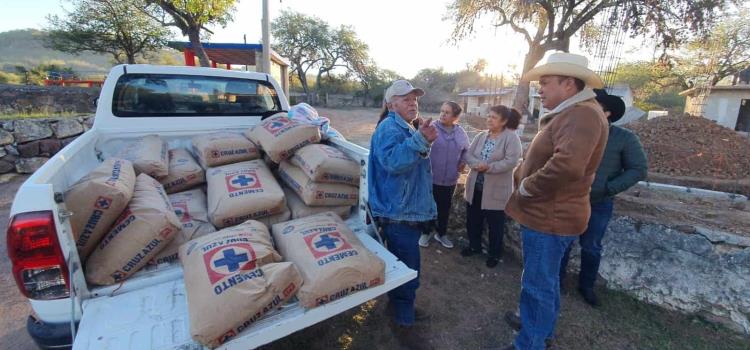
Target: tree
[(342, 50), (550, 24), (299, 38), (312, 46), (723, 52), (192, 17), (115, 27), (655, 85)]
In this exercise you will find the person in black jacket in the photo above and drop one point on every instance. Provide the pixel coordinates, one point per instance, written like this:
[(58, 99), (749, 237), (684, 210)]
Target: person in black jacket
[(623, 165)]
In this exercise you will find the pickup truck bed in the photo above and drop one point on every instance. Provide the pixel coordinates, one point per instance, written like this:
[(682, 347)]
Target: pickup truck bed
[(156, 317), (149, 310)]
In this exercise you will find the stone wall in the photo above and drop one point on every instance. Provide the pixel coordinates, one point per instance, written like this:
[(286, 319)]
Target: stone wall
[(25, 144), (20, 99), (688, 269)]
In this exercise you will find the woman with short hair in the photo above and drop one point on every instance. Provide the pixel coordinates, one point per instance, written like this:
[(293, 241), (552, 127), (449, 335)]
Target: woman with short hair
[(491, 157), (446, 158)]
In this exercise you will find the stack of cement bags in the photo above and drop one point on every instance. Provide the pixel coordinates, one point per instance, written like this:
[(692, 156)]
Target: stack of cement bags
[(190, 208), (321, 176), (280, 136), (241, 191), (148, 155), (223, 148), (332, 261), (144, 228), (232, 278)]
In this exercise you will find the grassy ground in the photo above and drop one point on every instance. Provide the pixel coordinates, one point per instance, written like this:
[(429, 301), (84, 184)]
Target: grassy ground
[(38, 115)]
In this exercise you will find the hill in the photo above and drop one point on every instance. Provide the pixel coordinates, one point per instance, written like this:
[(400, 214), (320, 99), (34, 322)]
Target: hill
[(25, 47)]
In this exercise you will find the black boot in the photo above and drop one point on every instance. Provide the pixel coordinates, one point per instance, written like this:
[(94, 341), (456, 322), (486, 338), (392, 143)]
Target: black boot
[(589, 296)]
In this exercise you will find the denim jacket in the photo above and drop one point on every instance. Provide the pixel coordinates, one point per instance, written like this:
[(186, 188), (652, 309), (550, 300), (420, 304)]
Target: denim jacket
[(399, 173)]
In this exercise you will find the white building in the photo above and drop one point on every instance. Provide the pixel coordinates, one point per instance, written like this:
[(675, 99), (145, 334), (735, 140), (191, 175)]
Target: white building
[(728, 105)]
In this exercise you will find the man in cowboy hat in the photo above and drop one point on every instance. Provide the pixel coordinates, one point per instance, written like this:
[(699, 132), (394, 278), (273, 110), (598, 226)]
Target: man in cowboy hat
[(623, 165), (551, 196), (400, 195)]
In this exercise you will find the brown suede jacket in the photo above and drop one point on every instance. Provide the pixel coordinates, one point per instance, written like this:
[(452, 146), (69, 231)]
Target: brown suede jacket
[(558, 169)]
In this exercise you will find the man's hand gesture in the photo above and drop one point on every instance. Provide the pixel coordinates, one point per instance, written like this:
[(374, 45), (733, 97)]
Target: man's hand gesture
[(429, 131)]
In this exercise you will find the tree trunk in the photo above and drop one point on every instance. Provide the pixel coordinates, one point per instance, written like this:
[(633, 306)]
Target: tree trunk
[(131, 57), (195, 41), (305, 88), (521, 100)]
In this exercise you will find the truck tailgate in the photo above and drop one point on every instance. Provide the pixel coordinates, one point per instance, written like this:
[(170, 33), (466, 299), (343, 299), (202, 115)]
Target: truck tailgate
[(157, 318)]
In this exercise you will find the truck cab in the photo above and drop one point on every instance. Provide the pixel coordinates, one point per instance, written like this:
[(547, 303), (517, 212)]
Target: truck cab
[(149, 309)]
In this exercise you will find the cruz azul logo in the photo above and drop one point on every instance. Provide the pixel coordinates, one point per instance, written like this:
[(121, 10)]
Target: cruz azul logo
[(103, 203), (326, 243), (228, 260), (245, 180), (181, 209), (277, 125)]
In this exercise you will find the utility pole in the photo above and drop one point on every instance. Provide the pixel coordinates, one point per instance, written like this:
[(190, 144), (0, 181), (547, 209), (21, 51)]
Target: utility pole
[(265, 64)]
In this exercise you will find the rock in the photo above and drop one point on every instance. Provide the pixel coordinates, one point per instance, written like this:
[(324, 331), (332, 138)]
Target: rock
[(9, 158), (29, 165), (5, 178), (66, 128), (68, 140), (6, 167), (6, 138), (11, 150), (28, 150), (8, 126), (49, 147), (88, 123), (29, 130)]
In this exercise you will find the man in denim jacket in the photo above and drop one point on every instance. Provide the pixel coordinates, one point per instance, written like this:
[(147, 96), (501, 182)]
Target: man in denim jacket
[(400, 194)]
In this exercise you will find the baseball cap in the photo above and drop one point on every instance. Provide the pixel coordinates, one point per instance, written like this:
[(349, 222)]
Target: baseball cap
[(401, 88)]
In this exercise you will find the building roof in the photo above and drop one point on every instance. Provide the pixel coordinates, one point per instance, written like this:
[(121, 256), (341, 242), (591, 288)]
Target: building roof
[(230, 53), (482, 92), (618, 90), (694, 90)]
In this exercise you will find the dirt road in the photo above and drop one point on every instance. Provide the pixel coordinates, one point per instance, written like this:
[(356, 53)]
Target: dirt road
[(14, 309)]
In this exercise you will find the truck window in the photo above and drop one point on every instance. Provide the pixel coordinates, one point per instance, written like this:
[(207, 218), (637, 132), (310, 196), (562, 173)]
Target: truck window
[(146, 95)]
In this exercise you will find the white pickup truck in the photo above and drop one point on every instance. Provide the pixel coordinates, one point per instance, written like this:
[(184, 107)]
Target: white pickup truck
[(149, 310)]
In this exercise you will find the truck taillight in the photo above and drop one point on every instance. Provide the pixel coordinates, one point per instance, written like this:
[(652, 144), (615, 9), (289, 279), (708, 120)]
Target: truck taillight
[(38, 263)]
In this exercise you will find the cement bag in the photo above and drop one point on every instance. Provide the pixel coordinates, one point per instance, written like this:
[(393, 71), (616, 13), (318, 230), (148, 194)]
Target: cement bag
[(148, 155), (146, 226), (232, 279), (269, 221), (314, 193), (323, 163), (280, 136), (184, 172), (332, 260), (300, 210), (242, 191), (96, 201), (223, 148), (190, 208)]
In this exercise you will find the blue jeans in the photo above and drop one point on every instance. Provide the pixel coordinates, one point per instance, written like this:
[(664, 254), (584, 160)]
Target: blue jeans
[(402, 240), (591, 245), (540, 286)]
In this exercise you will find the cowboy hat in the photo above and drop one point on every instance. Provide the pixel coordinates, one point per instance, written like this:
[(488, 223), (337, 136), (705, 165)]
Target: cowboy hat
[(614, 104), (565, 64)]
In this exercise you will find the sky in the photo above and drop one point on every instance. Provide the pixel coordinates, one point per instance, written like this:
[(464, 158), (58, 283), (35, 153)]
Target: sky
[(403, 35)]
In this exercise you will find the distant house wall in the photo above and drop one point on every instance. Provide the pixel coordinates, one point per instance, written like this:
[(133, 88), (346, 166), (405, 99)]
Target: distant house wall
[(722, 106)]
